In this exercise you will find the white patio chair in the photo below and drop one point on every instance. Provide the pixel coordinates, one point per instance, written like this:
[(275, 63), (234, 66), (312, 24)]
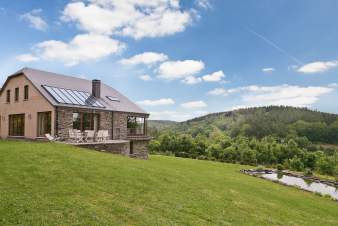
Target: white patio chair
[(71, 133), (90, 134), (79, 138), (99, 136), (51, 138), (105, 135)]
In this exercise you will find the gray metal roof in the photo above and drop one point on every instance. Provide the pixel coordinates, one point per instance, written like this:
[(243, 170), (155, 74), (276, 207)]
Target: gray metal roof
[(41, 78)]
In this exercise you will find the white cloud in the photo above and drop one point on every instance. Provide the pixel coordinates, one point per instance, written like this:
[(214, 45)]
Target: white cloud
[(217, 92), (171, 70), (26, 58), (170, 115), (333, 85), (133, 18), (81, 48), (34, 19), (277, 95), (194, 104), (147, 58), (205, 4), (145, 77), (214, 77), (268, 70), (175, 116), (160, 102), (191, 80), (317, 67)]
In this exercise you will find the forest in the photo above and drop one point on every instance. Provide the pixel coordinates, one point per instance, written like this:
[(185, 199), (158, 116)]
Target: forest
[(298, 139)]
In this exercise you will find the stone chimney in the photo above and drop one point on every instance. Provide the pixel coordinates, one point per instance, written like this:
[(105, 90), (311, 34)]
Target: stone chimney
[(96, 88)]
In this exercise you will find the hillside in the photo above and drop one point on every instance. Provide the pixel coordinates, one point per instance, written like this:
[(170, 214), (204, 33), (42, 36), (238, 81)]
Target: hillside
[(259, 122), (161, 124), (54, 184)]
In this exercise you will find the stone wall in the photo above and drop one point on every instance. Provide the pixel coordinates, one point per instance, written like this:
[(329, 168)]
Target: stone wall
[(115, 148), (120, 125), (64, 120), (140, 149), (114, 122)]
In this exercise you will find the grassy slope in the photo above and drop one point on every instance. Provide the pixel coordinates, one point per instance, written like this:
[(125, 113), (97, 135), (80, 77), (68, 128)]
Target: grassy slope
[(51, 184)]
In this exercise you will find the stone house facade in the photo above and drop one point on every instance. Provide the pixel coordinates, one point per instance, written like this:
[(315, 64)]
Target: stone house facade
[(34, 102)]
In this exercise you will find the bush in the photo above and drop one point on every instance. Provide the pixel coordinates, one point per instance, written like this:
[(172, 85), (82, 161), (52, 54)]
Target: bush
[(280, 167), (154, 146), (326, 165), (308, 172), (260, 168), (296, 164)]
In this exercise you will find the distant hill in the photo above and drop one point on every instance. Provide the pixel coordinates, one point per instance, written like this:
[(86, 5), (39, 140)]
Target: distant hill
[(155, 127), (257, 122), (161, 124)]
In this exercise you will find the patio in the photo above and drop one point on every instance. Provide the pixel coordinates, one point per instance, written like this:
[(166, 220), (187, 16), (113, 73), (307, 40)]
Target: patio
[(112, 146)]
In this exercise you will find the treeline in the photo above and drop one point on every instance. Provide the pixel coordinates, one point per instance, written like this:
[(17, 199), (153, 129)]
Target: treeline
[(292, 152), (261, 122)]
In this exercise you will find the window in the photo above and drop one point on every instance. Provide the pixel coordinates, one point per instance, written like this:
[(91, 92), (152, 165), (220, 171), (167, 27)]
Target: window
[(8, 96), (26, 92), (86, 121), (76, 121), (73, 97), (16, 97), (17, 125), (135, 126), (44, 123), (113, 98)]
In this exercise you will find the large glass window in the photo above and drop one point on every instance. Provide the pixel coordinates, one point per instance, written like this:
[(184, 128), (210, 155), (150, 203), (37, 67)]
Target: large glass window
[(136, 125), (85, 121), (17, 125), (44, 123)]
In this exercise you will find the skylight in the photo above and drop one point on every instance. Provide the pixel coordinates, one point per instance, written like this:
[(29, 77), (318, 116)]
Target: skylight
[(113, 98), (73, 97)]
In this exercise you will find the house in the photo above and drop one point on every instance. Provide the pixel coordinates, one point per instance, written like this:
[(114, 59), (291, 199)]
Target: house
[(34, 103)]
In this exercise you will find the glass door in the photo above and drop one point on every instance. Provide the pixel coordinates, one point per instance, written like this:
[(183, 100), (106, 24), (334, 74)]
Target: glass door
[(44, 123), (17, 125)]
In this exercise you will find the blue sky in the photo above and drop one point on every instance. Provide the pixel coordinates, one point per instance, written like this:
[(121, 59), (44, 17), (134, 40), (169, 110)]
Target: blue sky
[(181, 59)]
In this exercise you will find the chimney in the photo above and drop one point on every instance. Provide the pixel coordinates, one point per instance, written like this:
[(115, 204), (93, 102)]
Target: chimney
[(96, 88)]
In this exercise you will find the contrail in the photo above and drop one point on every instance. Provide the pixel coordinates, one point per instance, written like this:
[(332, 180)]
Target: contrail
[(275, 46)]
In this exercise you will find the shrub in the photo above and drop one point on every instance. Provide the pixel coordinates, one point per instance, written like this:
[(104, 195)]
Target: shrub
[(308, 172), (296, 164), (260, 168), (280, 167)]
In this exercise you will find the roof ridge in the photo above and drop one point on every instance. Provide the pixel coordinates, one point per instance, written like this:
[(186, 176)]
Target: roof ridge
[(53, 73)]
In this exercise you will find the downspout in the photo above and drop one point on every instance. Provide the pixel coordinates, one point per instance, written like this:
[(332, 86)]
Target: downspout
[(56, 125)]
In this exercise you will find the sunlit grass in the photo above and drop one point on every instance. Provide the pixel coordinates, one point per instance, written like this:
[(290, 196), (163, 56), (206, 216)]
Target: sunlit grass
[(54, 184)]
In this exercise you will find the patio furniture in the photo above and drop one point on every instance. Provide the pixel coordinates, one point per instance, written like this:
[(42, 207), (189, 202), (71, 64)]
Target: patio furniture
[(105, 135), (102, 135), (51, 138), (89, 135), (79, 138), (71, 135)]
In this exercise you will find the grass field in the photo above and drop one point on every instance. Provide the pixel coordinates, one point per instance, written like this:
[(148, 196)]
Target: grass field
[(53, 184)]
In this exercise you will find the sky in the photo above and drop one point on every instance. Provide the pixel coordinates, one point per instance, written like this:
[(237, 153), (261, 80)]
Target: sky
[(180, 59)]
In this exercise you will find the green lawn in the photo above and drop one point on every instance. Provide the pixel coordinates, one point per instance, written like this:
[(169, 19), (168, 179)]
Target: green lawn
[(53, 184)]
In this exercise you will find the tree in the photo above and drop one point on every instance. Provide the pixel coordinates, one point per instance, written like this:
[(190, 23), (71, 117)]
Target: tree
[(327, 165), (296, 164)]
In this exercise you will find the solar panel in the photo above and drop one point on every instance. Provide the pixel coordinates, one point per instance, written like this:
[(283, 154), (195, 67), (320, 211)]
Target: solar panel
[(73, 97), (113, 98)]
